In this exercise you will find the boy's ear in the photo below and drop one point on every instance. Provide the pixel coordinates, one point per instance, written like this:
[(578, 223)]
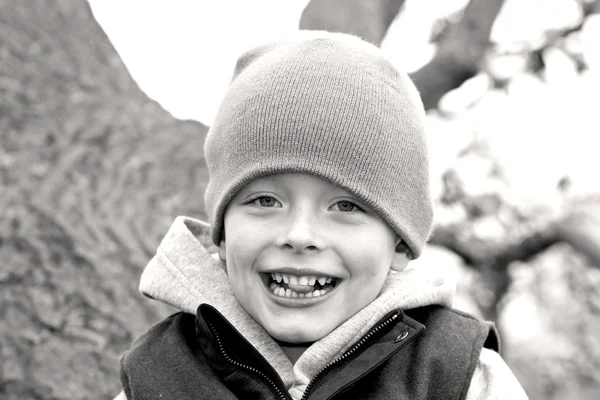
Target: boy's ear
[(222, 251), (400, 262), (402, 256)]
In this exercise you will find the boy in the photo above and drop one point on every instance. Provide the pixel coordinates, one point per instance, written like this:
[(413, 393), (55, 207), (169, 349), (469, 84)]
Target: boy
[(318, 198)]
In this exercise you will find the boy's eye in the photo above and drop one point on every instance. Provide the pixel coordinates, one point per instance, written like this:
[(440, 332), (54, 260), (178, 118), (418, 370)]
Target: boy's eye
[(346, 206), (265, 201)]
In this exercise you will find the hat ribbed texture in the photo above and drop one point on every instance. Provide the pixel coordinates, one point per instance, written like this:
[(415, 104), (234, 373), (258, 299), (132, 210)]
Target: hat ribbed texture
[(332, 106)]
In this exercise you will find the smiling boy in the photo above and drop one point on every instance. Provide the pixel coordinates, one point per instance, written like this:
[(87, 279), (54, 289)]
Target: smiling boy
[(303, 256), (318, 198)]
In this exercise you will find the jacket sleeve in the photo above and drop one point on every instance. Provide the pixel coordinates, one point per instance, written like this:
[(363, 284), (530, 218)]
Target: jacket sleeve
[(121, 396), (493, 379)]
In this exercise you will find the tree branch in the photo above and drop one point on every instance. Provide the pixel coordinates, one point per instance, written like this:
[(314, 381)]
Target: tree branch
[(580, 228), (526, 249), (459, 53), (477, 253), (368, 19), (471, 251)]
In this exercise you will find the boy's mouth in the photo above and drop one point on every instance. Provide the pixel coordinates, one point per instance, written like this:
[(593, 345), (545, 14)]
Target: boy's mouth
[(293, 286)]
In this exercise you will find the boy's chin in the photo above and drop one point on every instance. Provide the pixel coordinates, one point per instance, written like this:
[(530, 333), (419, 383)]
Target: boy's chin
[(297, 336)]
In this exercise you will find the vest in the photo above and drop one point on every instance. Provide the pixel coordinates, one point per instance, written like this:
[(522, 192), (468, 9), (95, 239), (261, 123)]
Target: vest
[(425, 353)]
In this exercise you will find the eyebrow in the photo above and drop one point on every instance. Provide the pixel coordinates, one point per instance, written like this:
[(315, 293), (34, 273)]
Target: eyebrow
[(274, 182)]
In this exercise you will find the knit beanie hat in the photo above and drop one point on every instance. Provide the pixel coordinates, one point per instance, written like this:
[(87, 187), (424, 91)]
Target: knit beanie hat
[(329, 105)]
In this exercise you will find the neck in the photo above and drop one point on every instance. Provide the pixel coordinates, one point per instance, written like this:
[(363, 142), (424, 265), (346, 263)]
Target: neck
[(293, 350)]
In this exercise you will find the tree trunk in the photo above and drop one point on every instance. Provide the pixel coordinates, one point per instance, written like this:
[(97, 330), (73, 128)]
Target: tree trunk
[(368, 19), (91, 174)]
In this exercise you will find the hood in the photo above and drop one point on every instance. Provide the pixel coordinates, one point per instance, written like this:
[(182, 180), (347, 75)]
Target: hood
[(186, 272)]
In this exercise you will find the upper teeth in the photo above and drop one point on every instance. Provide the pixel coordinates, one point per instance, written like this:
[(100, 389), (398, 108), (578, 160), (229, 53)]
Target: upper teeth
[(305, 280)]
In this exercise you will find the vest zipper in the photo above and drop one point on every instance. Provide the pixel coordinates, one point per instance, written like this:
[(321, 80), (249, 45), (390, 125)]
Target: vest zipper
[(281, 394), (347, 354)]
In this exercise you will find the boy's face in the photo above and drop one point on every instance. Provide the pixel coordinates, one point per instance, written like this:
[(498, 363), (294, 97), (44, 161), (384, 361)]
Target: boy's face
[(284, 230)]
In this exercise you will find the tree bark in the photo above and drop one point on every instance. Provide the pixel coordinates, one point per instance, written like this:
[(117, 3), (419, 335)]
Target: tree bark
[(91, 174), (368, 19)]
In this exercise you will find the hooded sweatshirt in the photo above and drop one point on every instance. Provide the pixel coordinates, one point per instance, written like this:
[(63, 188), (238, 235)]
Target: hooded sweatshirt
[(184, 273)]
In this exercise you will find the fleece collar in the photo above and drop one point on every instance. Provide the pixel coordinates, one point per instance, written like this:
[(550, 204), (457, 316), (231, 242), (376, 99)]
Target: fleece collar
[(185, 274)]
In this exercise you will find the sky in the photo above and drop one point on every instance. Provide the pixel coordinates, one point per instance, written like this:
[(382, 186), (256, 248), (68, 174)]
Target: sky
[(182, 52)]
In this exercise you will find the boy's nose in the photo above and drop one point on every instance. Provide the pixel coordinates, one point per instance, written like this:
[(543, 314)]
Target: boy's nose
[(300, 234)]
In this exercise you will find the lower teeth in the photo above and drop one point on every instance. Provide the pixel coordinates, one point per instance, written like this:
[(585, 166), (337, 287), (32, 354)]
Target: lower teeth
[(281, 292)]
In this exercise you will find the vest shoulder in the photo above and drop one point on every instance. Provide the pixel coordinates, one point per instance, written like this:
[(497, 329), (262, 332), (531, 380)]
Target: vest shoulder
[(155, 359), (171, 332), (456, 324), (440, 362)]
